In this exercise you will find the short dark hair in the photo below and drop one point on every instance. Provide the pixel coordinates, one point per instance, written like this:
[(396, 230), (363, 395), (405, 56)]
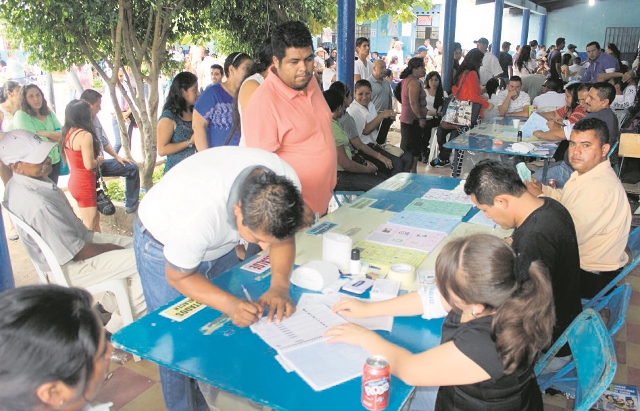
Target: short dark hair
[(47, 333), (605, 90), (90, 96), (559, 41), (341, 88), (594, 43), (596, 125), (457, 46), (553, 83), (388, 73), (217, 67), (506, 44), (271, 204), (362, 83), (491, 178), (533, 43), (515, 78), (334, 99), (290, 34), (361, 40)]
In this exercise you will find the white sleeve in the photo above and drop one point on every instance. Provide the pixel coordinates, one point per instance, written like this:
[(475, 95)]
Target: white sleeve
[(431, 303)]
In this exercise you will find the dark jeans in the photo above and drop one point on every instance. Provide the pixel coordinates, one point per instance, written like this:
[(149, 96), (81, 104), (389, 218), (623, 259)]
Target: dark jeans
[(350, 181), (116, 133), (591, 283), (157, 292), (426, 135), (384, 130), (443, 152), (111, 168), (400, 164)]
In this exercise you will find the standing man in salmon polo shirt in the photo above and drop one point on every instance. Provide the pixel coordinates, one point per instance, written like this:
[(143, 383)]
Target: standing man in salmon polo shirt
[(289, 116)]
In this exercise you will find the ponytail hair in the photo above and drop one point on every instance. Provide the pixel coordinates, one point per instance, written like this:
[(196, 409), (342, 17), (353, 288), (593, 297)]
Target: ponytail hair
[(480, 269), (523, 325)]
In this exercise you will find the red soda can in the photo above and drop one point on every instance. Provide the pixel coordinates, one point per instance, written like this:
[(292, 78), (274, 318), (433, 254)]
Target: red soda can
[(551, 183), (376, 380)]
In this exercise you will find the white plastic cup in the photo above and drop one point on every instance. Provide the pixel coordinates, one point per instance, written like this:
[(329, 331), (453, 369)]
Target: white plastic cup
[(516, 123)]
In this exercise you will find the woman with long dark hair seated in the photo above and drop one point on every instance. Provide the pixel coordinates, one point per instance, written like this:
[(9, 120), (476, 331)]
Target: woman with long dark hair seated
[(488, 346), (175, 134), (53, 350)]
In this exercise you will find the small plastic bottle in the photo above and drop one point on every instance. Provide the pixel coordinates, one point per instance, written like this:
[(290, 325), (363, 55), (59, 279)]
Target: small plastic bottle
[(354, 266)]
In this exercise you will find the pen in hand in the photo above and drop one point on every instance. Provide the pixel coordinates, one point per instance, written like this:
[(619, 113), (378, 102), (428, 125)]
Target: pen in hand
[(246, 293)]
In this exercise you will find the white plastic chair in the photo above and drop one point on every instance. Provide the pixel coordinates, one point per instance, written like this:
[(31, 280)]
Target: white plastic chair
[(56, 276)]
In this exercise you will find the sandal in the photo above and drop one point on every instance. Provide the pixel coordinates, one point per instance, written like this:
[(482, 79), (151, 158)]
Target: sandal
[(13, 234)]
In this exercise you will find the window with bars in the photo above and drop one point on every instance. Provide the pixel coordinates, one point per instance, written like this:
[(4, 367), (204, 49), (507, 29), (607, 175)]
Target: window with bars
[(363, 30)]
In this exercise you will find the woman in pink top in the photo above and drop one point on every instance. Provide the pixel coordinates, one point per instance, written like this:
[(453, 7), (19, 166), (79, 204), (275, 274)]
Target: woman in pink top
[(413, 118)]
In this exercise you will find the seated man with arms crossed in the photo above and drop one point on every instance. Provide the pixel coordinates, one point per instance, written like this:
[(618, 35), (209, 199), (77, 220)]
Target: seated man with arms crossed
[(597, 203), (86, 258), (512, 101), (543, 230), (185, 235)]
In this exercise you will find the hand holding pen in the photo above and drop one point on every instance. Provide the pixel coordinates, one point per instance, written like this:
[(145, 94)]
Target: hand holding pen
[(244, 312)]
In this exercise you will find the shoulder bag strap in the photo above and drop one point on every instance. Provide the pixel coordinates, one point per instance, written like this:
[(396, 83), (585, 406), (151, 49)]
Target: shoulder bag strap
[(460, 86)]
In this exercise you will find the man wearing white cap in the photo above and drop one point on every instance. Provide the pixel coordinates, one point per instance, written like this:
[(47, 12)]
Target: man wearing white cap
[(490, 65), (86, 258)]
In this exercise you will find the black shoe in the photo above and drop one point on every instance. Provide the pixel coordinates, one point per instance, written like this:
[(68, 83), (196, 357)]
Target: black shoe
[(439, 163), (132, 209)]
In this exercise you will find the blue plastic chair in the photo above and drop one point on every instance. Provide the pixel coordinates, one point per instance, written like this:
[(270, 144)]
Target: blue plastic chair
[(345, 195), (593, 355), (633, 243), (617, 304)]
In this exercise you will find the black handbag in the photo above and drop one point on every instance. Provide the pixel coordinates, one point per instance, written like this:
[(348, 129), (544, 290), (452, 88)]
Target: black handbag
[(104, 203)]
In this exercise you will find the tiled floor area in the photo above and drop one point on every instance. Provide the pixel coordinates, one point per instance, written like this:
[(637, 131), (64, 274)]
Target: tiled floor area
[(134, 386)]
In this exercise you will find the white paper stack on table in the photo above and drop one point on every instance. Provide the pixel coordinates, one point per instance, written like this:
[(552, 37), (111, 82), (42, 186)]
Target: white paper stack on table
[(301, 347)]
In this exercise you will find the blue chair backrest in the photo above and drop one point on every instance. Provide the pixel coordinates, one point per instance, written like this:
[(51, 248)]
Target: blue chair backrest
[(633, 243), (593, 354), (617, 303)]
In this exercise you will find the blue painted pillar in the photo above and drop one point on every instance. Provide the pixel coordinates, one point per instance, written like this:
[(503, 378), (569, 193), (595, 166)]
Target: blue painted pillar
[(524, 35), (448, 38), (346, 40), (497, 28), (543, 27), (6, 274)]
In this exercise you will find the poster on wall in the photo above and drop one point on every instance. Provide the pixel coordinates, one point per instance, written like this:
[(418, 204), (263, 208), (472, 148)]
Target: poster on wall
[(406, 29)]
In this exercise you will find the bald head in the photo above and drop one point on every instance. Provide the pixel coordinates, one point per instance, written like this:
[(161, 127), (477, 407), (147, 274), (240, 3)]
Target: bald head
[(378, 69)]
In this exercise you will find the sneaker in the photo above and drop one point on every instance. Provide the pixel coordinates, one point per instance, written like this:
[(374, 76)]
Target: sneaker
[(132, 209), (439, 163)]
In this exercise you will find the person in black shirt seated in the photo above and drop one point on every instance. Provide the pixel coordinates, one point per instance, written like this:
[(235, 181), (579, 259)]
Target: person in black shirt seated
[(495, 328)]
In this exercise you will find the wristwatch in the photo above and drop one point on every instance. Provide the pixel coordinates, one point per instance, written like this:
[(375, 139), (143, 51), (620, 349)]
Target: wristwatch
[(190, 145)]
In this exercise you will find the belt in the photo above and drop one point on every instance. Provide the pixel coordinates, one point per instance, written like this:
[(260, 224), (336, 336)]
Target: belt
[(144, 229)]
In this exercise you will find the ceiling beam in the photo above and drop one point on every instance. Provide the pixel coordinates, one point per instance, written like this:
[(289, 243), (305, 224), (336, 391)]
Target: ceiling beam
[(521, 4)]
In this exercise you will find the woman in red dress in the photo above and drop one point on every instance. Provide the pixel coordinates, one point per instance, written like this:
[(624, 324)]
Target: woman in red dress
[(82, 150)]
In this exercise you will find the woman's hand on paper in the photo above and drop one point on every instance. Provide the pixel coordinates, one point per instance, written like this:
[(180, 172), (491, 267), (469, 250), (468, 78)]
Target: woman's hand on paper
[(351, 308), (348, 333)]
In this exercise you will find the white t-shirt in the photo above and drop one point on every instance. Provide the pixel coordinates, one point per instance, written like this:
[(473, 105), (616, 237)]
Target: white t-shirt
[(516, 105), (327, 75), (528, 69), (188, 210), (549, 99), (255, 77), (364, 71), (363, 115), (490, 68)]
